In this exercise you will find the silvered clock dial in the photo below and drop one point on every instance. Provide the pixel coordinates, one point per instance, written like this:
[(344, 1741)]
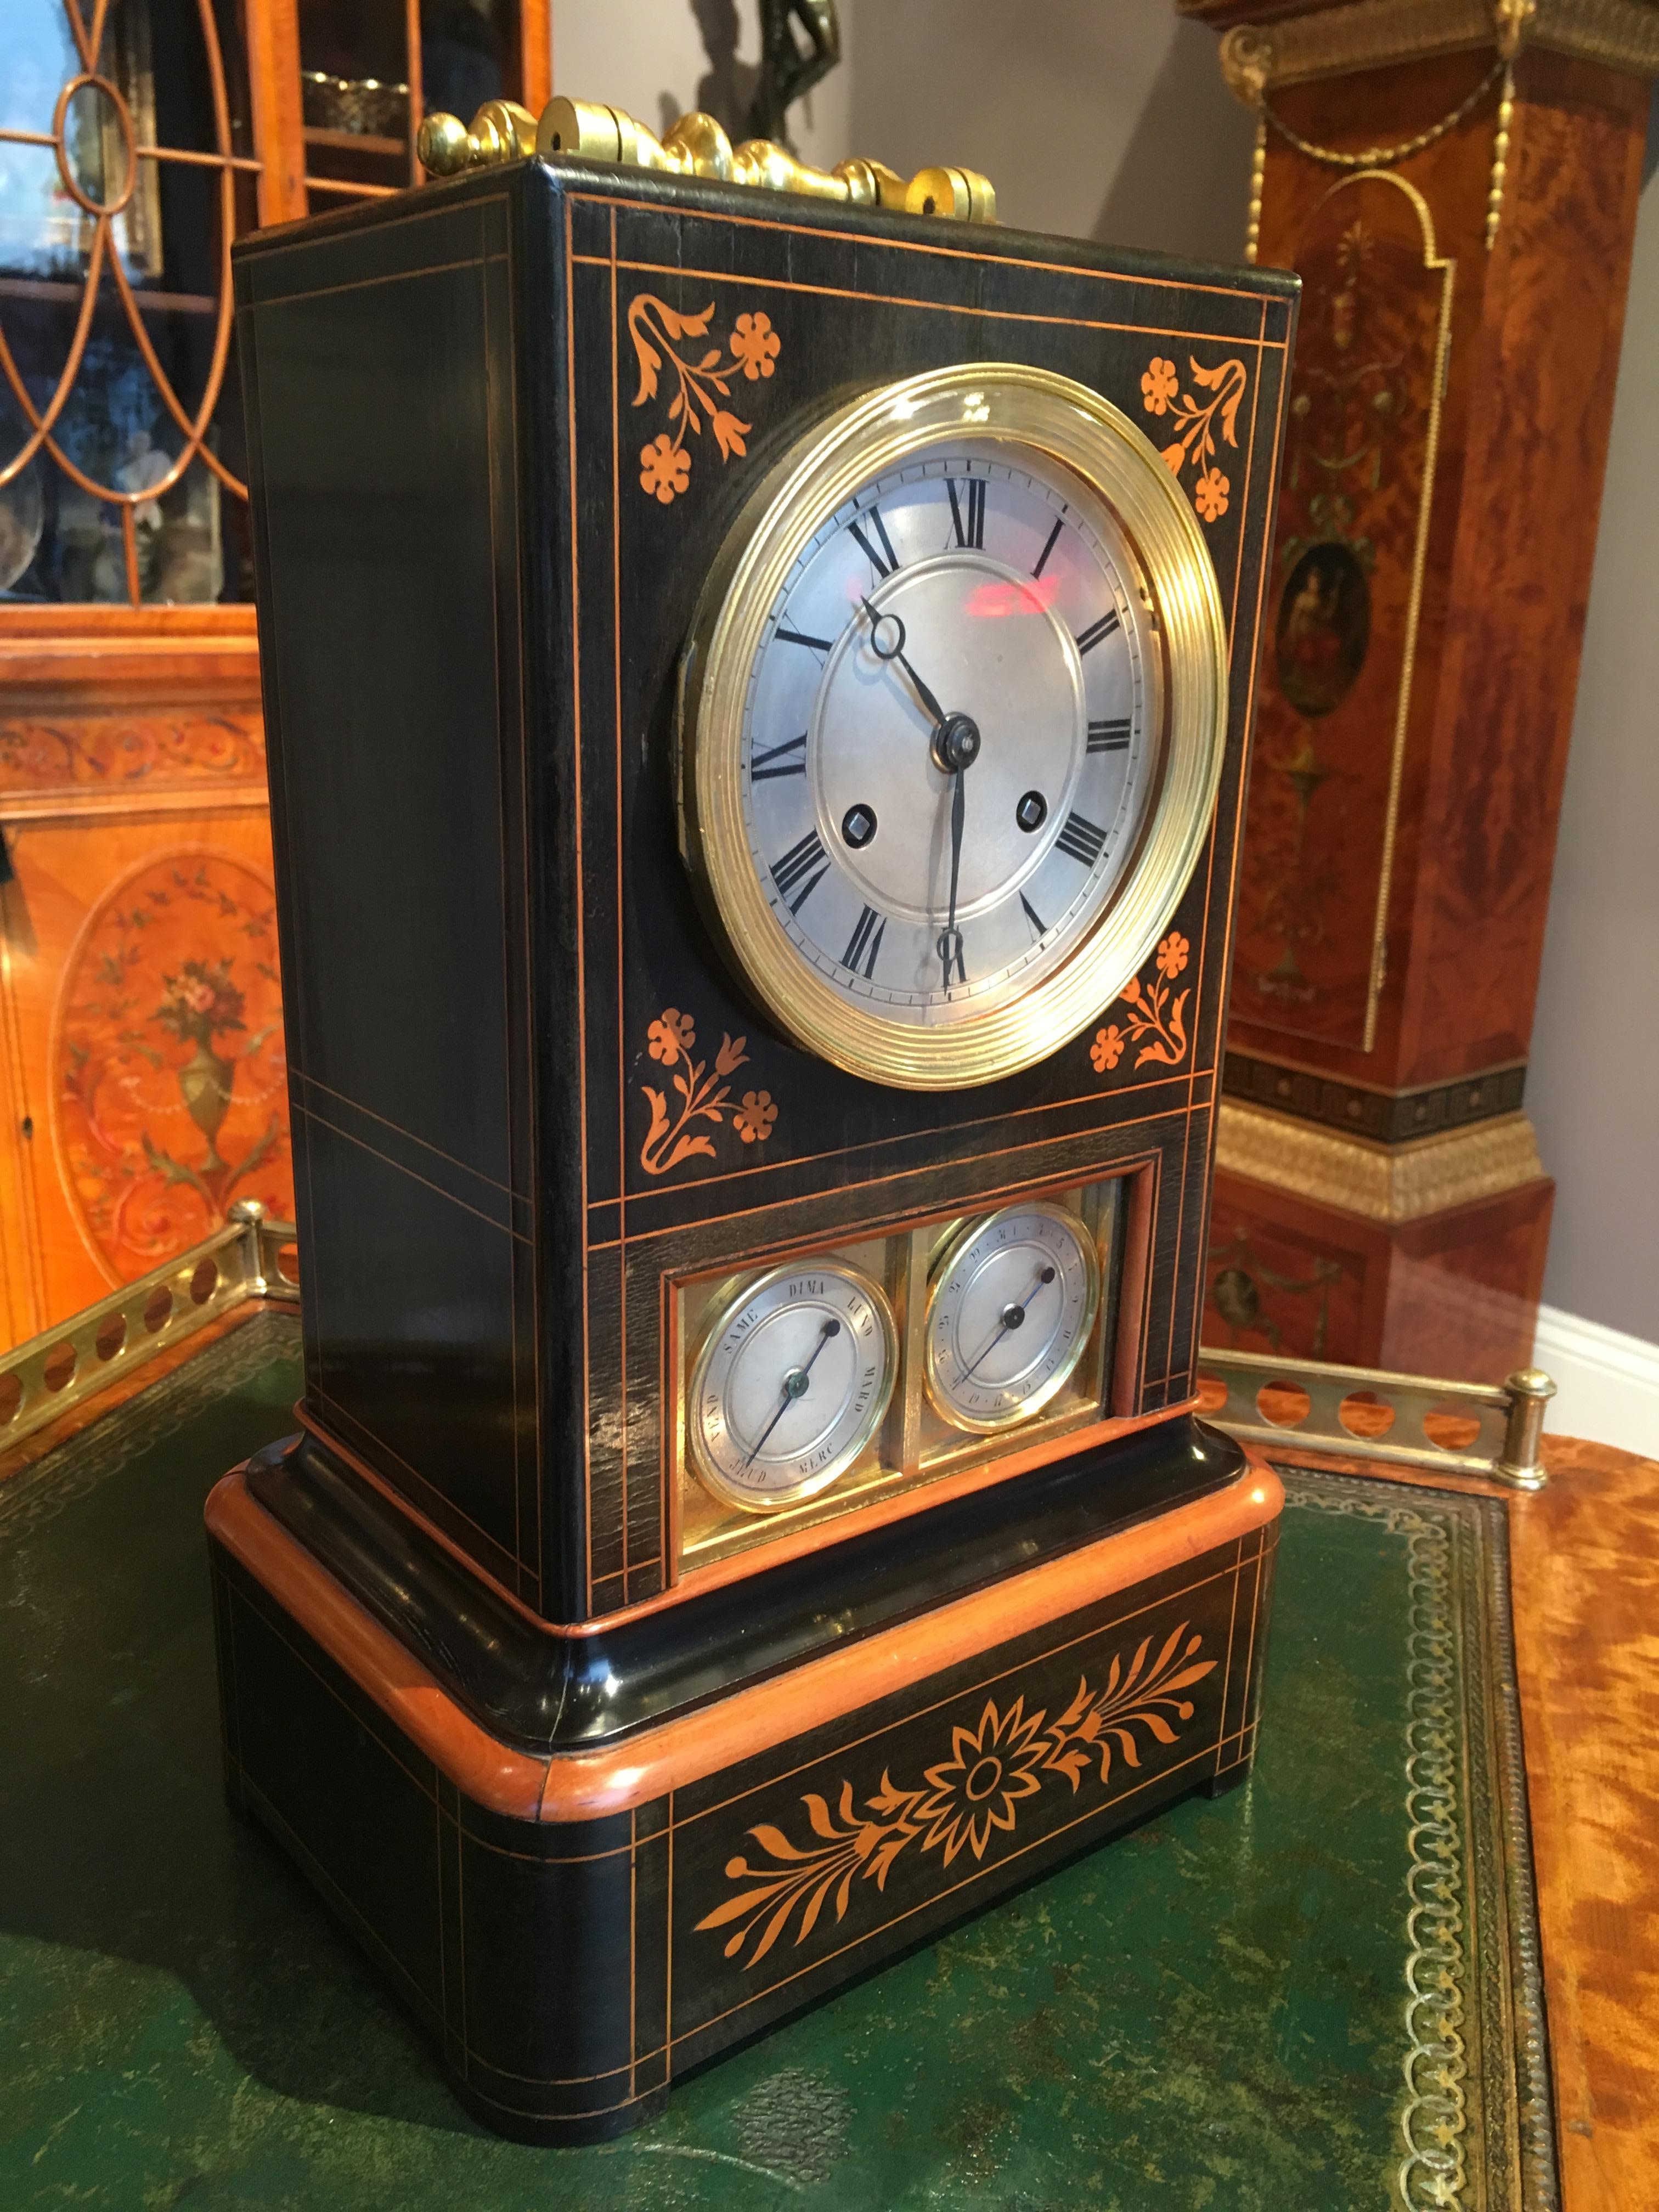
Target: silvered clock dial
[(973, 683), (792, 1381), (951, 720), (1009, 1314)]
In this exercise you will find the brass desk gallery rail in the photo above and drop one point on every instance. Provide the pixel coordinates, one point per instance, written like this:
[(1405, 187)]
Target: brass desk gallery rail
[(251, 1257), (1365, 1412)]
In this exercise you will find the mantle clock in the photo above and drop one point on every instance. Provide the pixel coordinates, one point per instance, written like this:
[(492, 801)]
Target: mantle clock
[(758, 684), (1457, 185)]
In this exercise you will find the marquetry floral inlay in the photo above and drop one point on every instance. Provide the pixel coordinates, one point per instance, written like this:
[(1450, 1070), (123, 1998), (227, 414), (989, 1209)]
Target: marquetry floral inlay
[(169, 1076), (658, 331), (992, 1769), (1193, 420), (703, 1093), (1153, 1018)]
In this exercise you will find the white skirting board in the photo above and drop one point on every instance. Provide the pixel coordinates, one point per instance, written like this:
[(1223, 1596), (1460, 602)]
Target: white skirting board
[(1608, 1383)]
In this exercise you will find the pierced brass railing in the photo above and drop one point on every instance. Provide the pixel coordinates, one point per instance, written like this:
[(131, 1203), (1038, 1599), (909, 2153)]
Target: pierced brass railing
[(1365, 1412), (1362, 1413), (251, 1257)]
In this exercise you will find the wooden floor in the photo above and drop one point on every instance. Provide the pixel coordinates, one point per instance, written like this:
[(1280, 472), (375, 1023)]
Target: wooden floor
[(1585, 1567)]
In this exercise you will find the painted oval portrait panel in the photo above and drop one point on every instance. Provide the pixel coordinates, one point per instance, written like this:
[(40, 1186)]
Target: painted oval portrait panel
[(1324, 628)]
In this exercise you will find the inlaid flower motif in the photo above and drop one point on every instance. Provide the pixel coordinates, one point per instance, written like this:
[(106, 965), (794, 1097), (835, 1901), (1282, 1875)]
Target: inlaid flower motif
[(1196, 421), (976, 1788), (1210, 494), (755, 343), (672, 1036), (1154, 1022), (664, 469), (700, 1094), (1157, 386), (754, 1118), (703, 380), (1107, 1049)]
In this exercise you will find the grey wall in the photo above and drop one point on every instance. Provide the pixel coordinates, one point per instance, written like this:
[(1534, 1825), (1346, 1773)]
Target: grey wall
[(1104, 119), (1101, 118), (1594, 1089), (1107, 119), (658, 59)]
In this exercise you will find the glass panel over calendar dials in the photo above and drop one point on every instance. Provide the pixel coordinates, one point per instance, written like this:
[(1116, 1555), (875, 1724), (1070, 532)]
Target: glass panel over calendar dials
[(819, 1384)]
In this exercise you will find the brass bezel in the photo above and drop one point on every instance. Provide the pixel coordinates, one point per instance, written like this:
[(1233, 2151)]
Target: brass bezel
[(969, 1234), (1091, 437), (742, 1291)]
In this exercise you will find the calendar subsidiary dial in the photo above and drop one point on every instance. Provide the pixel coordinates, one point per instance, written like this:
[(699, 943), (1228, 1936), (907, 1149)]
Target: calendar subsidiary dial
[(952, 722), (1009, 1313), (792, 1380)]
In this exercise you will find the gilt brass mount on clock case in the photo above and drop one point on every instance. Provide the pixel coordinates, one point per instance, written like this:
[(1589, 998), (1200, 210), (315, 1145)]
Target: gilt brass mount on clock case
[(757, 679)]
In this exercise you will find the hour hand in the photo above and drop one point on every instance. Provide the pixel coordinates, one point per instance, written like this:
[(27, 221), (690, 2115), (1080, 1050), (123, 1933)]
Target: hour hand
[(895, 651)]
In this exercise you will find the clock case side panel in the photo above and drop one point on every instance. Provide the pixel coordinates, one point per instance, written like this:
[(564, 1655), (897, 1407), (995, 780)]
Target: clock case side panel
[(379, 352), (565, 873), (1211, 899)]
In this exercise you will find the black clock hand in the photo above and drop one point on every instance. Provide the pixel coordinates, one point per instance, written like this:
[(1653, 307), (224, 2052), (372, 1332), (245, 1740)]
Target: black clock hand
[(949, 951), (896, 653), (794, 1387), (954, 749), (1012, 1317)]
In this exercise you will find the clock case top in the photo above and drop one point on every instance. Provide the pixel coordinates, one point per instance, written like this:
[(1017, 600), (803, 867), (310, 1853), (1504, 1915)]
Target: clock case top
[(527, 1094)]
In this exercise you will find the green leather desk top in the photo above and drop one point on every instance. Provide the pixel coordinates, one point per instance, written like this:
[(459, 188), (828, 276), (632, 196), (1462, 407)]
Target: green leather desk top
[(1317, 1995)]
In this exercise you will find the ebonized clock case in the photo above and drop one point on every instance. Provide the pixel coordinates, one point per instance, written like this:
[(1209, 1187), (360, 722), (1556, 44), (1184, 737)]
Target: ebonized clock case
[(599, 1812)]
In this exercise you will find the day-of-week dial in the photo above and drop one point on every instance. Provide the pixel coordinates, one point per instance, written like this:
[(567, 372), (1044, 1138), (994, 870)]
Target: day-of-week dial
[(948, 742), (1009, 1315), (792, 1380)]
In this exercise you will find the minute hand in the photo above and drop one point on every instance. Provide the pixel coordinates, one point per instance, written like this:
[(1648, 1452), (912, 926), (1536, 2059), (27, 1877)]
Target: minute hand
[(948, 953)]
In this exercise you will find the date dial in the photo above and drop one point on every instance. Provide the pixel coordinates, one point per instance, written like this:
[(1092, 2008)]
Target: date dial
[(1009, 1314), (792, 1380)]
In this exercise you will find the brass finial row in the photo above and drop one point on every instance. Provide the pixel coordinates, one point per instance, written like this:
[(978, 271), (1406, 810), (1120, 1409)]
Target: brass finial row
[(696, 147)]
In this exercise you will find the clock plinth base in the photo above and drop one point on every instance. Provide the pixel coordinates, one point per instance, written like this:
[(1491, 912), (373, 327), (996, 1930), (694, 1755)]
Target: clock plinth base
[(577, 1929)]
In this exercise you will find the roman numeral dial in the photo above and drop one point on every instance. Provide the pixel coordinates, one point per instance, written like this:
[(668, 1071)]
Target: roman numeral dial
[(864, 946), (1098, 632), (871, 533), (767, 762), (801, 870), (946, 762), (1082, 839), (968, 510)]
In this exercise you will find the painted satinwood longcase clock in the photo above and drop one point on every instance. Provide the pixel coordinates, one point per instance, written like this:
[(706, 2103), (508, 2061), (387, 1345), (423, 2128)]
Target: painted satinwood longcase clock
[(758, 683)]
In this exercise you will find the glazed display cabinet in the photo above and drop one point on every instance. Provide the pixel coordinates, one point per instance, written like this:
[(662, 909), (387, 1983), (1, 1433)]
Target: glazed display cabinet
[(141, 1062)]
